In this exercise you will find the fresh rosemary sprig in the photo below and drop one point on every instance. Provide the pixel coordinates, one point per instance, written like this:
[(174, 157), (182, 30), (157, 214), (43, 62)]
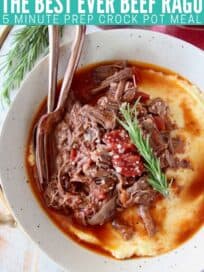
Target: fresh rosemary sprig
[(29, 43), (156, 178)]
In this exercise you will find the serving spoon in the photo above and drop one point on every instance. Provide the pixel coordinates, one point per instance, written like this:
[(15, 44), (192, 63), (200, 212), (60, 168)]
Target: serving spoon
[(44, 143)]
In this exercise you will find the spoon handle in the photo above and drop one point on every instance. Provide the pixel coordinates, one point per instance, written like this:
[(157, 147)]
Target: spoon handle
[(72, 65), (53, 66)]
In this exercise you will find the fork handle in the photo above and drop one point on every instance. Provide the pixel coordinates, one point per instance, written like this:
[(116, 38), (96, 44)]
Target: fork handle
[(4, 33), (53, 66), (72, 65)]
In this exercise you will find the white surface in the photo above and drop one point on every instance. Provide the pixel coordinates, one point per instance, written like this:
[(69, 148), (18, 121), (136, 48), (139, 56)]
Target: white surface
[(17, 252), (141, 45)]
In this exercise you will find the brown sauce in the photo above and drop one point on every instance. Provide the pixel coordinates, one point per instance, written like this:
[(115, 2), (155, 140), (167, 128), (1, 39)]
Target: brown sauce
[(196, 189), (83, 81), (189, 227), (191, 123)]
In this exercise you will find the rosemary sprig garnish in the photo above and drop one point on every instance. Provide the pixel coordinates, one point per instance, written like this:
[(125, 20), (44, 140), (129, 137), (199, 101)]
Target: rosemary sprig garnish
[(156, 178), (29, 43)]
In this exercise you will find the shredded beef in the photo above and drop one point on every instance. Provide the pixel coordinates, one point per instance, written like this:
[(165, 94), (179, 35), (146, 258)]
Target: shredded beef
[(158, 106), (106, 118), (124, 74), (106, 212), (140, 193), (147, 219), (129, 95), (98, 171), (101, 72)]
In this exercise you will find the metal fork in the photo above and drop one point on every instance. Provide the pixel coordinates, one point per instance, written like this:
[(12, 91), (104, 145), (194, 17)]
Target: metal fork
[(44, 142), (53, 66)]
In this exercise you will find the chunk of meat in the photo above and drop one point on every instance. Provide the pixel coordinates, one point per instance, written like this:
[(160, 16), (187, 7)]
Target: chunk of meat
[(140, 193), (129, 95), (91, 133), (147, 219), (102, 102), (112, 91), (75, 117), (160, 123), (105, 118), (119, 90), (129, 92), (182, 163), (167, 160), (157, 142), (124, 74), (105, 103), (115, 92), (105, 212), (63, 135), (101, 158), (158, 106), (101, 72), (147, 123), (123, 228)]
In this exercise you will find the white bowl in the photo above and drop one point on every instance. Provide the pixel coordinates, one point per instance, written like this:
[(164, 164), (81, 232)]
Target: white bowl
[(145, 46)]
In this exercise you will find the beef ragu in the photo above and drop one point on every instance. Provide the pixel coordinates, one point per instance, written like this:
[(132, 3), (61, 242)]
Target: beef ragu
[(98, 173)]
